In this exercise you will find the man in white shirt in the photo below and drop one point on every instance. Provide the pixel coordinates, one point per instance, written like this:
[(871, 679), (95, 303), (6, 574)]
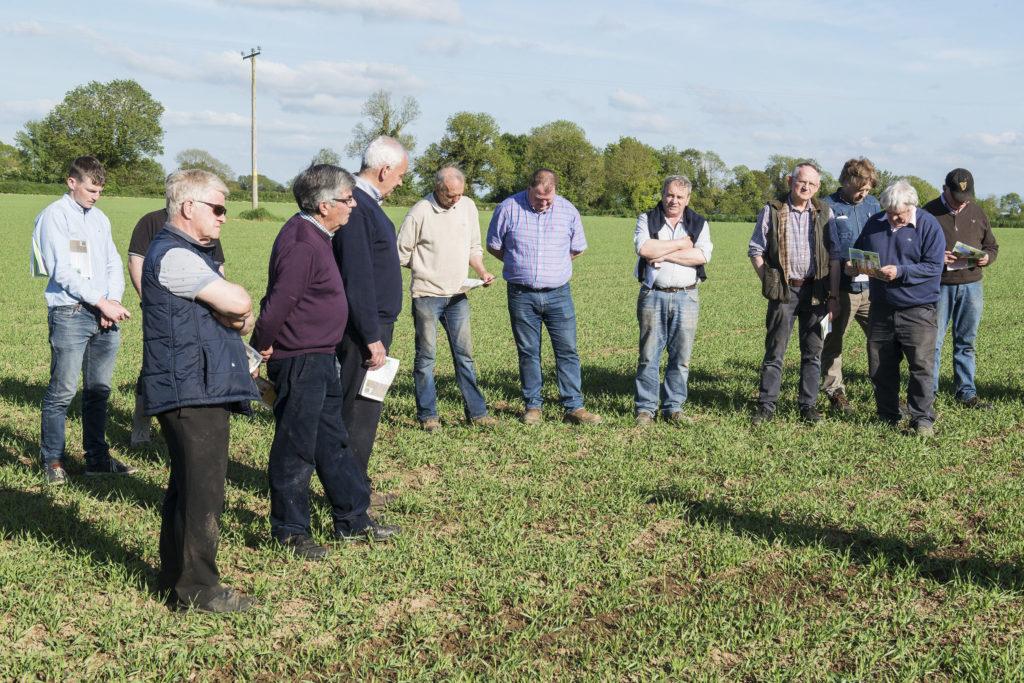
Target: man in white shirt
[(673, 243), (72, 244)]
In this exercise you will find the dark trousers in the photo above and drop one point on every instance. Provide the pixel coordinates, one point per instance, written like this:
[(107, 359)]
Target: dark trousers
[(359, 414), (310, 435), (894, 334), (197, 442), (779, 325)]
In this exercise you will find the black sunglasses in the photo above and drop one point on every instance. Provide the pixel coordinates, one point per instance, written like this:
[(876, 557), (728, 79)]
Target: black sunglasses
[(218, 209)]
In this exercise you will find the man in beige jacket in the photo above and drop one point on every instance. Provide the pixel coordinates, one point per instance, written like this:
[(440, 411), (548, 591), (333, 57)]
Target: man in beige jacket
[(439, 238)]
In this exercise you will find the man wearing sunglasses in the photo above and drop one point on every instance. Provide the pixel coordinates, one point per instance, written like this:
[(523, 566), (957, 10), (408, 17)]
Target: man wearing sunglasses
[(194, 375)]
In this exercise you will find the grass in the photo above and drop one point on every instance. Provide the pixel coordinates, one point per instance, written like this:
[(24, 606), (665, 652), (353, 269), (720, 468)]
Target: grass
[(711, 551)]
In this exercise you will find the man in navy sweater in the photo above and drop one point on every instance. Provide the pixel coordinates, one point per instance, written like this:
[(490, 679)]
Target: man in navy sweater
[(904, 294), (367, 255), (301, 321)]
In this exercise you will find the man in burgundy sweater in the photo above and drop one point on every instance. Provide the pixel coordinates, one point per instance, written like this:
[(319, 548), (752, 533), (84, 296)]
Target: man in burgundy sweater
[(302, 318)]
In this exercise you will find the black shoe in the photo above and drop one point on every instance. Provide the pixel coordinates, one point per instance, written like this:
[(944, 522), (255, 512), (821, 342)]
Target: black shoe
[(373, 531), (108, 465), (304, 547), (975, 403), (226, 600), (762, 414), (810, 415)]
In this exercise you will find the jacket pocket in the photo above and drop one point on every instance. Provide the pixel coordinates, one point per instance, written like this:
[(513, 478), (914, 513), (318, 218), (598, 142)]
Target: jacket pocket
[(771, 286)]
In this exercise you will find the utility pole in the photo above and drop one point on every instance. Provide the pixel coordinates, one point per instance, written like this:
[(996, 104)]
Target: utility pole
[(255, 177)]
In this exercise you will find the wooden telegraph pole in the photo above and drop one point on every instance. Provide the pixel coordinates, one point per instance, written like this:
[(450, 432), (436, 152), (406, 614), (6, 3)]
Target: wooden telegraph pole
[(255, 177)]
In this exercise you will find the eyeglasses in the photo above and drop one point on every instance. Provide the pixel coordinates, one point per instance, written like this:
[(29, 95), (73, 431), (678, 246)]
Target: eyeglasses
[(218, 209), (350, 200)]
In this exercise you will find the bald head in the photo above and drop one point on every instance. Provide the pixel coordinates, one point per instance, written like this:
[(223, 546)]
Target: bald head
[(449, 186)]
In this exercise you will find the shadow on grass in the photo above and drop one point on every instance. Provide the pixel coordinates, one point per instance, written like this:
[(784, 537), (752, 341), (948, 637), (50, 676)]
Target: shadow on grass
[(32, 514), (927, 560)]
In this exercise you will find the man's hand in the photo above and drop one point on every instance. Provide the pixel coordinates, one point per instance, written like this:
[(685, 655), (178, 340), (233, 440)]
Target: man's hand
[(833, 308), (488, 279), (267, 352), (983, 261), (112, 310), (887, 273), (378, 355), (950, 258)]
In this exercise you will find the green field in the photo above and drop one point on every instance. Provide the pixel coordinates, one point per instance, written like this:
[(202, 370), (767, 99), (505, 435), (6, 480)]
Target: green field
[(708, 551)]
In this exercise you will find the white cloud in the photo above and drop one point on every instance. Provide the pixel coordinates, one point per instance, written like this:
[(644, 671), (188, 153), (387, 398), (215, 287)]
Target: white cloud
[(19, 110), (651, 123), (454, 45), (629, 101), (227, 119), (324, 104), (440, 11), (25, 28)]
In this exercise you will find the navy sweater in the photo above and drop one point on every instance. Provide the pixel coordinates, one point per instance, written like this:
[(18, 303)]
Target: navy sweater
[(305, 309), (917, 251), (367, 254)]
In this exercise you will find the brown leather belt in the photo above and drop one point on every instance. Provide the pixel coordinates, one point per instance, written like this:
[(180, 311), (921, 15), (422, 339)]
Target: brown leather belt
[(801, 283), (673, 290)]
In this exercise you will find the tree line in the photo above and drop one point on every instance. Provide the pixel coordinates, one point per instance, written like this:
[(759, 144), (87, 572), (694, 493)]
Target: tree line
[(119, 123)]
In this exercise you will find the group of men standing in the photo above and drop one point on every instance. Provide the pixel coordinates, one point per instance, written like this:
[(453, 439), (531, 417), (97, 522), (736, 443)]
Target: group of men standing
[(800, 250), (334, 293)]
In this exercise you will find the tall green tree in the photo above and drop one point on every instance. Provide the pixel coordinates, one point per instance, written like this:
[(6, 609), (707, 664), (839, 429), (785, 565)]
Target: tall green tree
[(563, 147), (117, 122), (1010, 204), (384, 117), (514, 145), (631, 175), (472, 141), (194, 157)]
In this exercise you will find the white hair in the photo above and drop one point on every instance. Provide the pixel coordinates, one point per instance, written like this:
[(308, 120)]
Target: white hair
[(383, 151), (190, 184), (446, 172), (899, 195)]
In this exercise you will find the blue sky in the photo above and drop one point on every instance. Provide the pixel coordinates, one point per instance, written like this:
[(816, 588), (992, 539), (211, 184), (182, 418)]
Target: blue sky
[(917, 87)]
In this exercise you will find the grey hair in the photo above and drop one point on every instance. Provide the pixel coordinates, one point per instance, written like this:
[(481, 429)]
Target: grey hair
[(190, 184), (899, 195), (443, 173), (676, 180), (383, 151), (320, 183), (805, 164)]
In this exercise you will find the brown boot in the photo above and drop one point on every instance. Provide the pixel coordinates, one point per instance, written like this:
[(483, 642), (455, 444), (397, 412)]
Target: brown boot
[(581, 416)]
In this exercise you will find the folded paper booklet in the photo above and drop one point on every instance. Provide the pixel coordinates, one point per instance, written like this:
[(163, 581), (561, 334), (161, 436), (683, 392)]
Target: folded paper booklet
[(826, 326), (468, 284), (966, 251), (377, 382), (865, 261)]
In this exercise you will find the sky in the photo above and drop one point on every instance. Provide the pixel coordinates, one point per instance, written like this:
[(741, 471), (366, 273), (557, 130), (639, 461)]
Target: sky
[(919, 88)]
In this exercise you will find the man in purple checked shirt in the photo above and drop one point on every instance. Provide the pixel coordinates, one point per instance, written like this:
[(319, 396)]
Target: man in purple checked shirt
[(537, 234)]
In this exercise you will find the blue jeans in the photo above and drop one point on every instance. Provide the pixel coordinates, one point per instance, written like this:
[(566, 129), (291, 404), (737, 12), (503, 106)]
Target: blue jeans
[(453, 312), (528, 309), (667, 320), (78, 346), (961, 305)]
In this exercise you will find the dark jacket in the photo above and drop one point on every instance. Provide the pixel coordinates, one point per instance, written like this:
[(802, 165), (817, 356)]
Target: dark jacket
[(775, 286), (850, 220), (969, 226), (366, 251), (188, 358)]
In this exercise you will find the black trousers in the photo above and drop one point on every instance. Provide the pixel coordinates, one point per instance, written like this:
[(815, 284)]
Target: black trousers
[(894, 334), (779, 324), (360, 415), (310, 435), (197, 442)]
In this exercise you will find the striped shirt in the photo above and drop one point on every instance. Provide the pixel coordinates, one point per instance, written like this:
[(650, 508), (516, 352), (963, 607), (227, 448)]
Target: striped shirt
[(538, 246), (800, 261)]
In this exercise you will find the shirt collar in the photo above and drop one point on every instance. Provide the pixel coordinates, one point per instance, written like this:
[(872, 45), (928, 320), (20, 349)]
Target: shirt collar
[(949, 208), (437, 207), (78, 207), (185, 236), (369, 188), (317, 223)]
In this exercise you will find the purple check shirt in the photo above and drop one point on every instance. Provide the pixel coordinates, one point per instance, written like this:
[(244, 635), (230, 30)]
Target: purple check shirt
[(538, 246)]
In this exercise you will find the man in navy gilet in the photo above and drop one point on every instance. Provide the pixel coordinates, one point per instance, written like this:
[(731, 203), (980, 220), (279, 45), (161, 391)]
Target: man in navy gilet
[(673, 243), (194, 375)]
